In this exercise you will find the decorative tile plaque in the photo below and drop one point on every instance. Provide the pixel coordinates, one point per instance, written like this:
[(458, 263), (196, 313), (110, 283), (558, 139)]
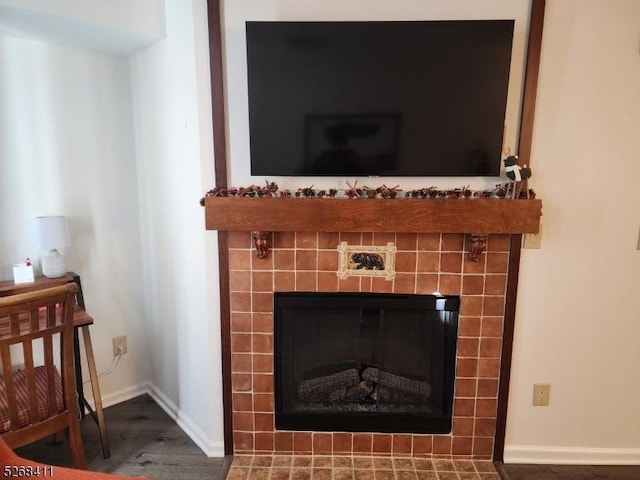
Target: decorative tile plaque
[(367, 260)]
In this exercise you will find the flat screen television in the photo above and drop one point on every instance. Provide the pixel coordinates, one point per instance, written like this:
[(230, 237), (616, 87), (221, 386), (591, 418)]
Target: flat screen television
[(390, 98)]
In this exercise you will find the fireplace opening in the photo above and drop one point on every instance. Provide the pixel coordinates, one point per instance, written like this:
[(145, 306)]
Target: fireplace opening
[(364, 362)]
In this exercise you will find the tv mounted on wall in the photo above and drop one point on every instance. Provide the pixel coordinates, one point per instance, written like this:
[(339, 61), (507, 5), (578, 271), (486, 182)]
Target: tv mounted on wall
[(392, 98)]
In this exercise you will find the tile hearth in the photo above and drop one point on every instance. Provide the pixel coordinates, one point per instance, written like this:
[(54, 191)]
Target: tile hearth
[(302, 467)]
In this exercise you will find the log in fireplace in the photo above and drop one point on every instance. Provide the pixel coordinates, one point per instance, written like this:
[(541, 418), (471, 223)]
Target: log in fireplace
[(365, 362)]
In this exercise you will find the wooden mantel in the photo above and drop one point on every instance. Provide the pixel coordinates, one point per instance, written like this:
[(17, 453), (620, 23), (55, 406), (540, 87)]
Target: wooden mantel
[(473, 216)]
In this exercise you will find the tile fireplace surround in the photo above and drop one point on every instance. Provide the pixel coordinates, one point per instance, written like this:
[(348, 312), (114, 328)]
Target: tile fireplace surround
[(425, 263)]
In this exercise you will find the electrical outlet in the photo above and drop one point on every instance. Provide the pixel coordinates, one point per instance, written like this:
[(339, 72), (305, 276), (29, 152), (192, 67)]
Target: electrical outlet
[(533, 240), (119, 345), (541, 394)]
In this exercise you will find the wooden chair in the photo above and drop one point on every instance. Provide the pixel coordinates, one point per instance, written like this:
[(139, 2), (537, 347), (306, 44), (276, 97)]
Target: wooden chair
[(39, 401)]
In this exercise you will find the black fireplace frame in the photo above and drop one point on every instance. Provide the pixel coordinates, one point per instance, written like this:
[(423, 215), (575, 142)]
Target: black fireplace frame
[(420, 423)]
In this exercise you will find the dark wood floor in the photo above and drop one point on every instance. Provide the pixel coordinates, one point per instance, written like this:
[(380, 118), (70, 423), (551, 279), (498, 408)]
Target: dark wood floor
[(145, 441)]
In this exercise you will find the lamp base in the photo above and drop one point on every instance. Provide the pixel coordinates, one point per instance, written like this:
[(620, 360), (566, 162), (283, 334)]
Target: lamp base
[(53, 264)]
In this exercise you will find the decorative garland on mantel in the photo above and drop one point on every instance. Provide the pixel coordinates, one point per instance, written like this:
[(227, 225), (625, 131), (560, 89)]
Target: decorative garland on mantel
[(271, 190)]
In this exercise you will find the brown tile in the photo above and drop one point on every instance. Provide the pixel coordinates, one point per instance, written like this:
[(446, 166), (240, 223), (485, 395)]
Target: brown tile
[(327, 261), (469, 326), (365, 463), (306, 260), (302, 442), (381, 443), (262, 343), (362, 442), (322, 474), (493, 306), (283, 442), (367, 238), (468, 346), (451, 262), (467, 367), (239, 259), (263, 422), (242, 402), (261, 263), (464, 466), (463, 426), (462, 445), (284, 281), (497, 262), (352, 238), (302, 460), (238, 473), (328, 240), (262, 281), (404, 283), (406, 475), (449, 284), (327, 282), (499, 243), (485, 427), (495, 284), (263, 363), (489, 367), (240, 322), (240, 301), (471, 306), (426, 283), (490, 347), (301, 474), (349, 284), (401, 444), (463, 407), (452, 242), (280, 474), (482, 446), (342, 462), (491, 327), (284, 259), (364, 474), (306, 281), (243, 440), (262, 302), (443, 465), (342, 442), (342, 474), (381, 239), (406, 262), (322, 461), (448, 476), (262, 323), (429, 241), (441, 445), (307, 240), (407, 241), (471, 267), (241, 363), (259, 473), (322, 443), (382, 463), (427, 475), (422, 445), (365, 284), (487, 387), (428, 262), (424, 464), (284, 240), (473, 284), (239, 240), (384, 475), (241, 382), (486, 407), (239, 281), (243, 422), (241, 342), (403, 464), (262, 383), (262, 461), (466, 388), (484, 466), (263, 402), (381, 285)]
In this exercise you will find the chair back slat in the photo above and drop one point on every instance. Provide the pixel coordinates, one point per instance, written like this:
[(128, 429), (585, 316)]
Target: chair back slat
[(47, 343), (9, 384), (30, 376)]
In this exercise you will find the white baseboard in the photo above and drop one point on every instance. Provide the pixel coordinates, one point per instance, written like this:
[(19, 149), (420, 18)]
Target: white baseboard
[(210, 448), (571, 455)]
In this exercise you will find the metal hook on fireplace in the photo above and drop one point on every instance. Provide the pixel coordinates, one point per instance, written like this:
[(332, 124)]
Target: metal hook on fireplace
[(477, 246), (261, 243)]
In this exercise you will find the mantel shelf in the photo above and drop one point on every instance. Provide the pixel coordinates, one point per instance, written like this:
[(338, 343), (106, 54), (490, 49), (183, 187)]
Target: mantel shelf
[(474, 216)]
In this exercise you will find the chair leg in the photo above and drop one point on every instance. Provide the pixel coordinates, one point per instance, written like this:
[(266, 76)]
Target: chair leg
[(95, 388), (74, 437)]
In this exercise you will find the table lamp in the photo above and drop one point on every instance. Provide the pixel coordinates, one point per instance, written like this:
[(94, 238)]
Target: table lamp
[(51, 233)]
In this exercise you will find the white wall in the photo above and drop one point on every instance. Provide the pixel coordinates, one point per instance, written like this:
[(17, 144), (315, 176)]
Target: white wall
[(578, 324), (172, 117), (67, 148)]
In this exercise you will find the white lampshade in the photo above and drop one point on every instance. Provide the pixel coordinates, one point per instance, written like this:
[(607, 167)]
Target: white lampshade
[(51, 233)]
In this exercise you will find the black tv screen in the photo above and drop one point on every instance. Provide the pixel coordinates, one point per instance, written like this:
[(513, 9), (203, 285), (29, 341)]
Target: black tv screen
[(416, 98)]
